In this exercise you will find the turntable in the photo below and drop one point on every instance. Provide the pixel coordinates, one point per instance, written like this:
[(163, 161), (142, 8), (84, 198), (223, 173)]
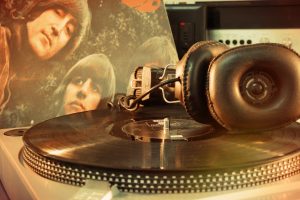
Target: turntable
[(275, 153)]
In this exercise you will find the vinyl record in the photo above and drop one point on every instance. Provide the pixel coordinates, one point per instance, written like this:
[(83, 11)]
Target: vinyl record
[(111, 145)]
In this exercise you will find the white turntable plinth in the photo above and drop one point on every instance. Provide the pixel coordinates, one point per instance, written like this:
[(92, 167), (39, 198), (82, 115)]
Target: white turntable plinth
[(21, 183)]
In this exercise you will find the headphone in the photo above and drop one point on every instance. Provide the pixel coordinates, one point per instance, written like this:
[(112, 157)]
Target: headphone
[(251, 87)]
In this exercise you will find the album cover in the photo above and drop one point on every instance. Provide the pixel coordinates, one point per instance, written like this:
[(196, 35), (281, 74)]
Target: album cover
[(60, 57)]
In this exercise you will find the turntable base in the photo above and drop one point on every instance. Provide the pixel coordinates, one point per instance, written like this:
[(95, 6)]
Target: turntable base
[(15, 174)]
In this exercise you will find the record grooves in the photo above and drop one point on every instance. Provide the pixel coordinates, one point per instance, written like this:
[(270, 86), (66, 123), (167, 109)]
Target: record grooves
[(96, 145)]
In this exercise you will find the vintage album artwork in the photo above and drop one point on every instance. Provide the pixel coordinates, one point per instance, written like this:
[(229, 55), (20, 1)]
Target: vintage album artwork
[(59, 57)]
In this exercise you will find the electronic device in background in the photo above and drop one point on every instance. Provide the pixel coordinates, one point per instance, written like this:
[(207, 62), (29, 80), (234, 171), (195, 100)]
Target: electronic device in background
[(235, 22)]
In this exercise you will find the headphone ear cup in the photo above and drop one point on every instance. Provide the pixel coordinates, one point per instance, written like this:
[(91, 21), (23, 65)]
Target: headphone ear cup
[(255, 87), (194, 79)]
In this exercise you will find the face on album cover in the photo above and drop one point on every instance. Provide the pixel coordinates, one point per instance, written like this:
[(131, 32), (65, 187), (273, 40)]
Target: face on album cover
[(59, 57)]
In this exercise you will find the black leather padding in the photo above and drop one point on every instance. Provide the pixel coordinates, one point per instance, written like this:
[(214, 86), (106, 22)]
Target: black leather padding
[(227, 102), (195, 78)]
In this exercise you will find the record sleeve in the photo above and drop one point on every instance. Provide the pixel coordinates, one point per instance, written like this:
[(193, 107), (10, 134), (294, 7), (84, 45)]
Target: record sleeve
[(51, 50)]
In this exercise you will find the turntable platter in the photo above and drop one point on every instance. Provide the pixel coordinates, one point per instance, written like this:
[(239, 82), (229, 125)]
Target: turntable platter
[(83, 146)]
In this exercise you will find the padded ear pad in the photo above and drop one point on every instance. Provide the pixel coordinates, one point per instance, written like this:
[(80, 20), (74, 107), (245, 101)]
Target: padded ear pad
[(255, 87), (195, 76)]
